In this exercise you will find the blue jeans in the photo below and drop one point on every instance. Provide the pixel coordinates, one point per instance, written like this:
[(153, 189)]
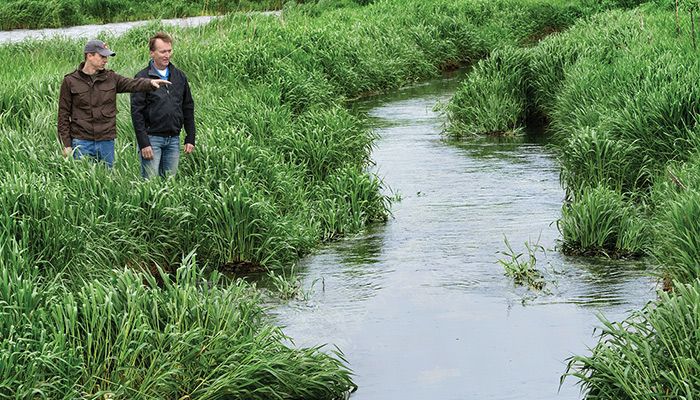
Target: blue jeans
[(166, 156), (97, 150)]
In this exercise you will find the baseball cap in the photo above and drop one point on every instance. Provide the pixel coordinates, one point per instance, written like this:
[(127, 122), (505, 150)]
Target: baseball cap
[(98, 46)]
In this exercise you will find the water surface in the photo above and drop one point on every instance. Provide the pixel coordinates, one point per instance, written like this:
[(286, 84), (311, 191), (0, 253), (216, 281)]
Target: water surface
[(420, 307)]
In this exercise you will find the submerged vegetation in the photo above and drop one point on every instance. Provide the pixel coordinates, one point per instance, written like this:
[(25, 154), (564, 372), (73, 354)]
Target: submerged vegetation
[(521, 267), (619, 92)]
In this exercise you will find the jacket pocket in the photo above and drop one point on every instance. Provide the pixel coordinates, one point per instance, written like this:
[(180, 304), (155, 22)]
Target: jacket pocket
[(80, 94), (108, 112), (107, 92)]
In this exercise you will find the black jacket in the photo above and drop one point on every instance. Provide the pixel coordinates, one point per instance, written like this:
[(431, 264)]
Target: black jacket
[(163, 112)]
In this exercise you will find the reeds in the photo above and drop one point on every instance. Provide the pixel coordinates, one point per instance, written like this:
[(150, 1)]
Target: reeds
[(653, 354)]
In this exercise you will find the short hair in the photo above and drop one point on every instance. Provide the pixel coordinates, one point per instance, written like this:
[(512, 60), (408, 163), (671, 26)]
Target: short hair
[(159, 35)]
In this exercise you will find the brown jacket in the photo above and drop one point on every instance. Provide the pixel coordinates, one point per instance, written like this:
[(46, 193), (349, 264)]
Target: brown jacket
[(87, 106)]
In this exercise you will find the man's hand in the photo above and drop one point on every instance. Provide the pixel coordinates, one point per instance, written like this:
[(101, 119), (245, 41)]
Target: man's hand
[(67, 150), (189, 148), (147, 153), (157, 82)]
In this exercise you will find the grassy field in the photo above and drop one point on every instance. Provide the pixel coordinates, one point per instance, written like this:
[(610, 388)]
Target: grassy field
[(619, 92), (280, 166)]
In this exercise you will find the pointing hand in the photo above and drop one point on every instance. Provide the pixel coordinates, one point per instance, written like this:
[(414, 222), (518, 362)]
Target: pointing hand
[(157, 82)]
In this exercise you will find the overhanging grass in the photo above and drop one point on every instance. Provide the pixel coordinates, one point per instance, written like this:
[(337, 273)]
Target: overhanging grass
[(600, 220), (653, 354), (492, 99), (131, 336)]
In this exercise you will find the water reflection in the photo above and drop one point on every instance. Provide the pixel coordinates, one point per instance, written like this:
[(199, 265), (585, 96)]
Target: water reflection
[(363, 250)]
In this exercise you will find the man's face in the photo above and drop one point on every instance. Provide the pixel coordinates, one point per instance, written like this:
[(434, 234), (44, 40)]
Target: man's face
[(161, 54), (97, 61)]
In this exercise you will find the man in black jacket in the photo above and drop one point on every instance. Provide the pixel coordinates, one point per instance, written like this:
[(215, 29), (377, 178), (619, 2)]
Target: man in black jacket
[(159, 116)]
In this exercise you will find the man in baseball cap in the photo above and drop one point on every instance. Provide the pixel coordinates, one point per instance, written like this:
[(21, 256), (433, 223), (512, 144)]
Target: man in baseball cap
[(100, 47)]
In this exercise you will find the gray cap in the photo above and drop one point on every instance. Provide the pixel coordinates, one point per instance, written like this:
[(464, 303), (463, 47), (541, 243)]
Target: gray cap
[(98, 46)]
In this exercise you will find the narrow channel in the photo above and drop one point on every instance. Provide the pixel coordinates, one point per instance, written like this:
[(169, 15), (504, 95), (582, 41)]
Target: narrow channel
[(420, 307)]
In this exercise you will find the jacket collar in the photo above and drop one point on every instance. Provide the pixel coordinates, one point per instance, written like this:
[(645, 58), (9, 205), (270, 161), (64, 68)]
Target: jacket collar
[(99, 75), (152, 70)]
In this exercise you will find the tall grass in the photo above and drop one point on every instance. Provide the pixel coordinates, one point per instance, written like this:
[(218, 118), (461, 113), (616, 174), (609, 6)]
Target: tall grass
[(677, 195), (600, 220), (653, 354), (492, 99), (132, 336), (588, 158)]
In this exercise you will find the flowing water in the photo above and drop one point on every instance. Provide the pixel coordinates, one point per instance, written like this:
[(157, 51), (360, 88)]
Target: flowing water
[(419, 305)]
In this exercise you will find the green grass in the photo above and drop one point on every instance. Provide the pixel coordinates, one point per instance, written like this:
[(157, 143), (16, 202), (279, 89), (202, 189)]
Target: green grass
[(600, 220), (653, 354), (677, 195), (144, 337), (491, 100)]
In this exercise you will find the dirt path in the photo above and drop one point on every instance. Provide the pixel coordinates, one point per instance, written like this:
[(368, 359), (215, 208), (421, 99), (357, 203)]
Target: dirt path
[(90, 31)]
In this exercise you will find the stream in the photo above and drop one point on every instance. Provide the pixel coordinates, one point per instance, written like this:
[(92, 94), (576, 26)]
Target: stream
[(420, 306)]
